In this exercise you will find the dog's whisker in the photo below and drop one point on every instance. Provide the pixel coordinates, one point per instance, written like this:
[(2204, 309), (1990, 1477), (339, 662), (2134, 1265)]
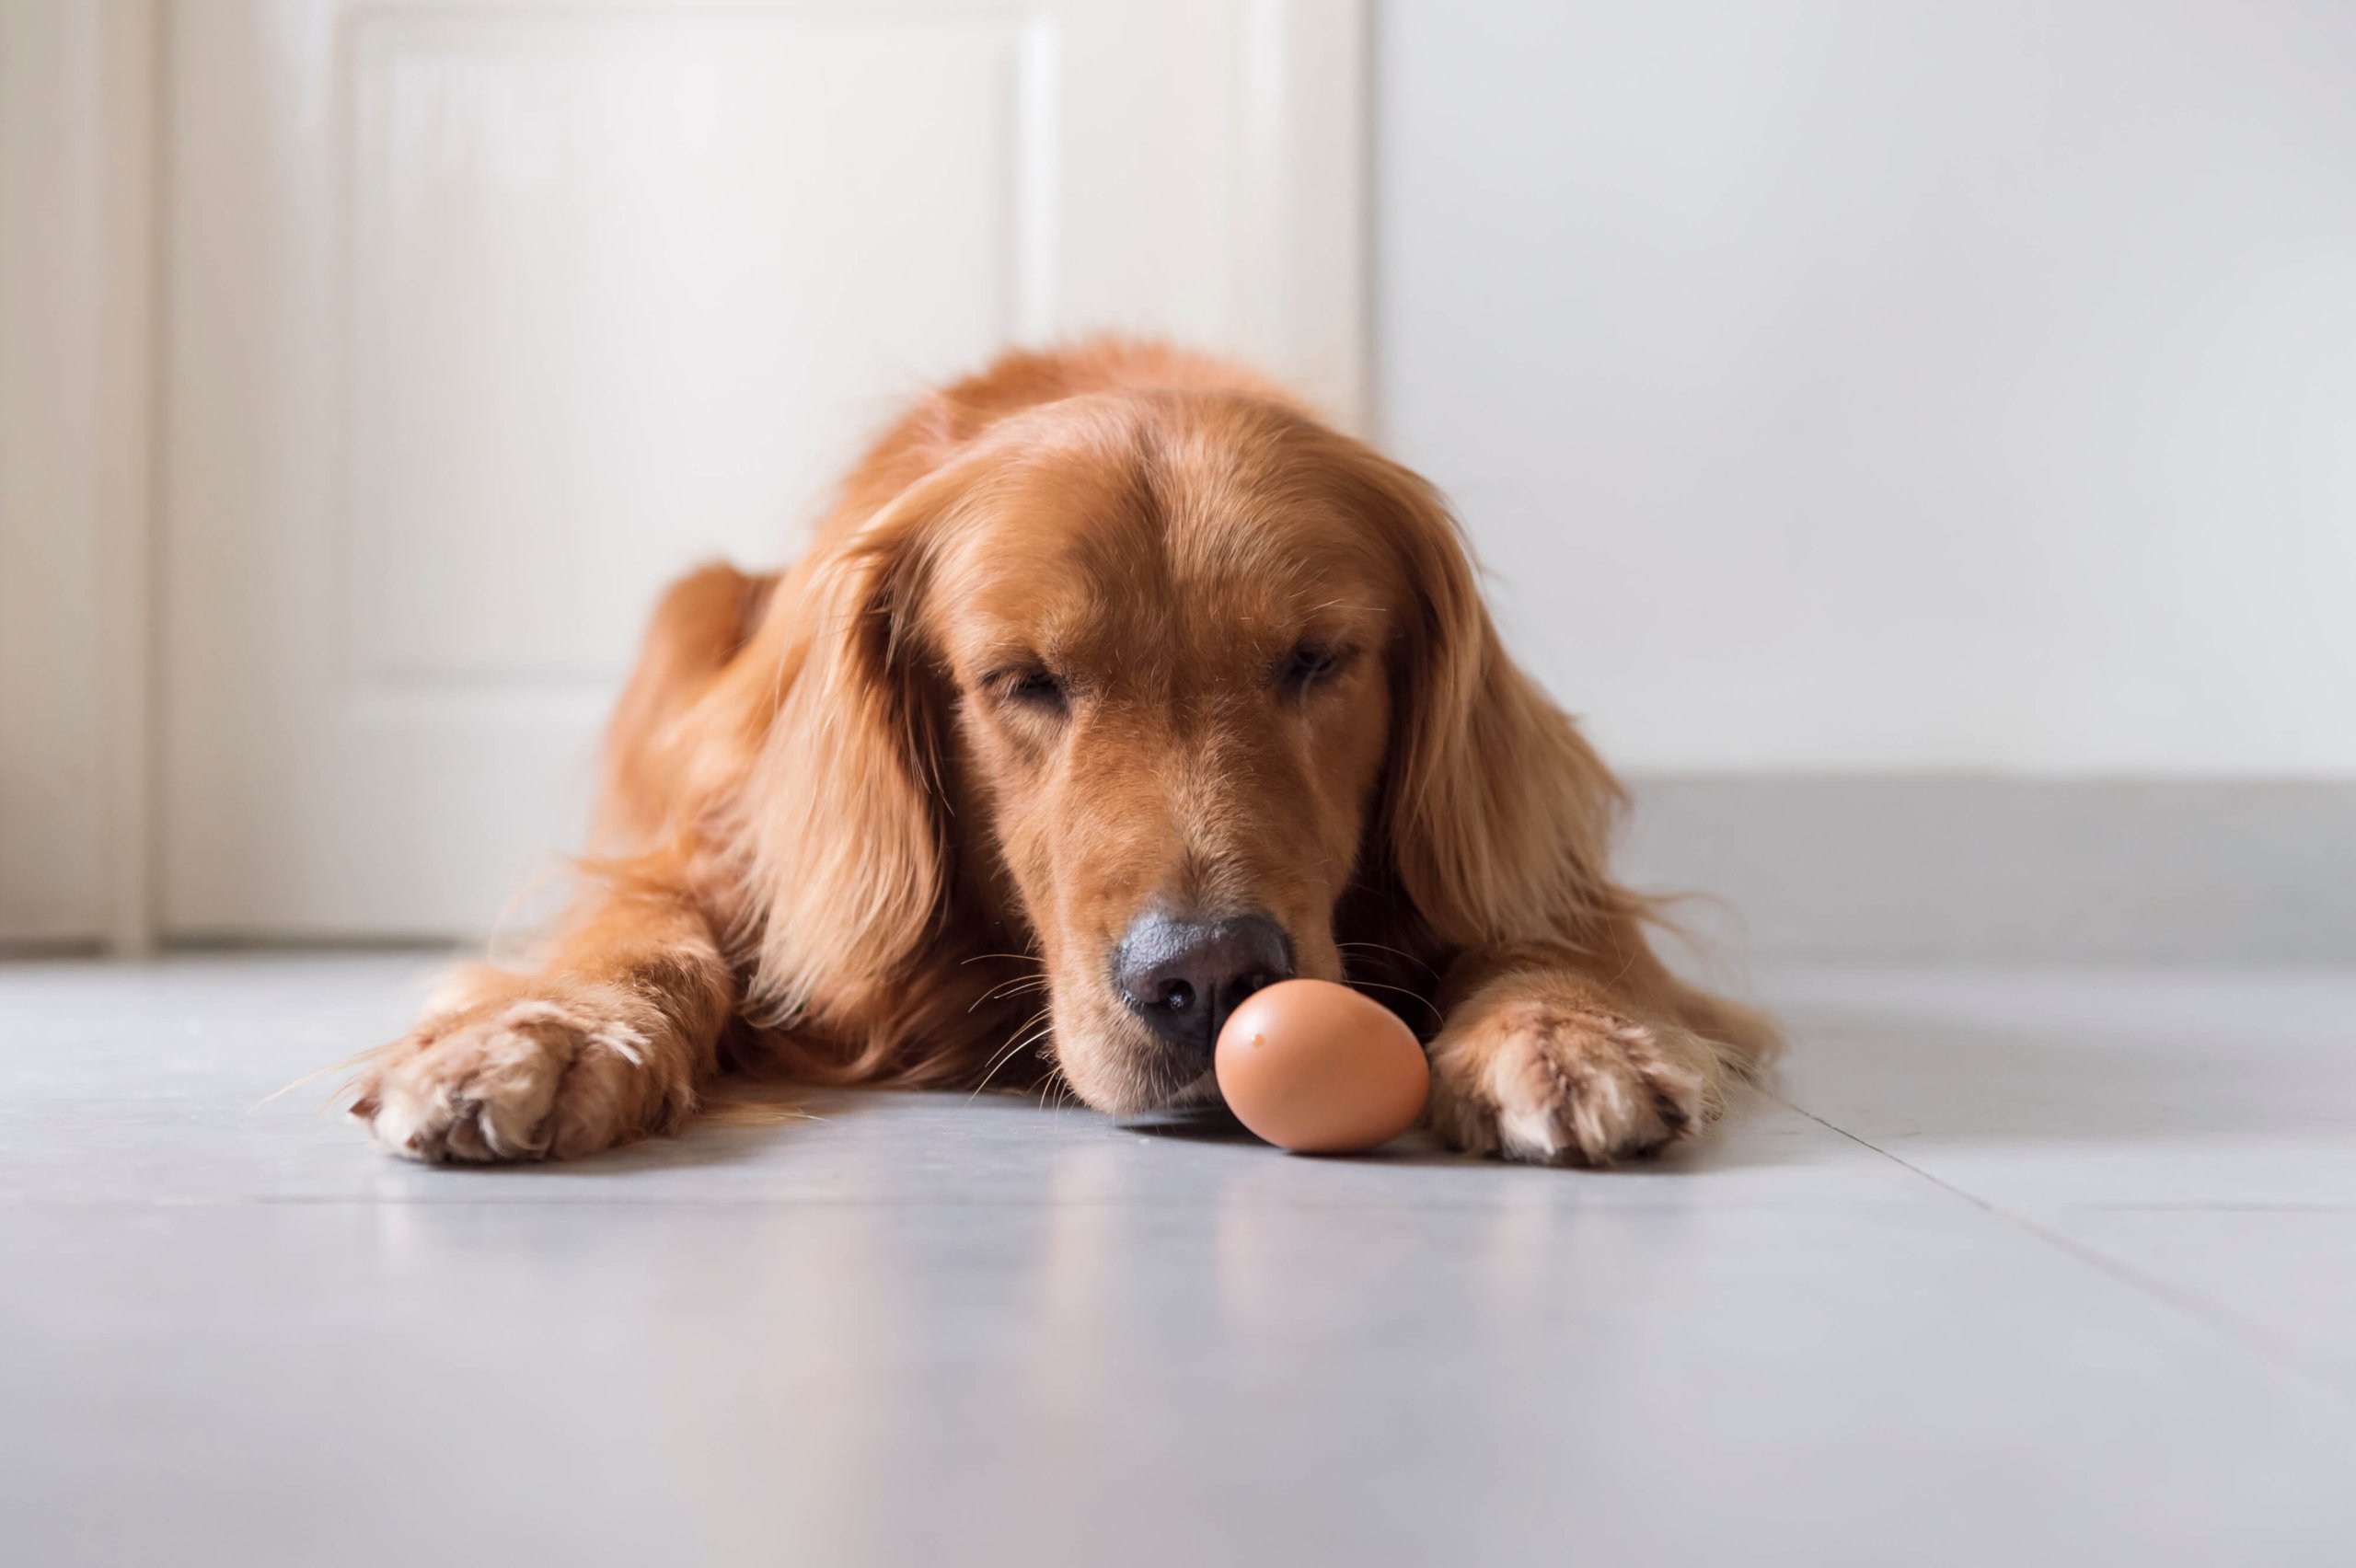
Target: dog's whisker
[(996, 1062), (1401, 953), (1009, 989), (1036, 1037), (1062, 1091), (1402, 990), (1026, 1035)]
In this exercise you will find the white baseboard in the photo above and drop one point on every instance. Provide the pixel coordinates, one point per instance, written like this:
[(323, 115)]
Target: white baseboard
[(2005, 870)]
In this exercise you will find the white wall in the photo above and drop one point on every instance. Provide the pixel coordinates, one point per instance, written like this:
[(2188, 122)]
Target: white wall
[(1893, 385)]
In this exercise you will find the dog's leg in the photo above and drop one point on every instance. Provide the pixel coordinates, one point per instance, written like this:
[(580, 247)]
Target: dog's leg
[(1549, 1054), (609, 1041)]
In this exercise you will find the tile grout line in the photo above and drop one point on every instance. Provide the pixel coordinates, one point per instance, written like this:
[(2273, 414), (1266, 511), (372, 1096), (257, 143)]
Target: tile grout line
[(2251, 1335)]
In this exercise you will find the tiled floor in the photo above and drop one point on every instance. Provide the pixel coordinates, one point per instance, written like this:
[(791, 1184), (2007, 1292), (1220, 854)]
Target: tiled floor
[(2012, 1267)]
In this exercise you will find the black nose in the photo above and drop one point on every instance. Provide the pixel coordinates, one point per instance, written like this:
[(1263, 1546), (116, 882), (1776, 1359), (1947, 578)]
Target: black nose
[(1185, 976)]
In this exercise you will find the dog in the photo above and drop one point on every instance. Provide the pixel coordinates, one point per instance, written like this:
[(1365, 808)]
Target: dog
[(1116, 685)]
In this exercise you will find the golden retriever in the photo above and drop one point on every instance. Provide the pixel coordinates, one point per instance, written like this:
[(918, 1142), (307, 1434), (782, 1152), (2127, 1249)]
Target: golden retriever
[(1118, 681)]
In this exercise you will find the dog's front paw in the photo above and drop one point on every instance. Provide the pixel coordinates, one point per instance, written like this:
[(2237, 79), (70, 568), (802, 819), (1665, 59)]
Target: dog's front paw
[(515, 1077), (1564, 1080)]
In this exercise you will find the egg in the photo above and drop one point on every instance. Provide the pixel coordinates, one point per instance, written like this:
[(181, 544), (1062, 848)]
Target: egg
[(1317, 1068)]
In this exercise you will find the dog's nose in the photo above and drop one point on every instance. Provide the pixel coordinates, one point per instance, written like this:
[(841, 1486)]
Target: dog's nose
[(1185, 976)]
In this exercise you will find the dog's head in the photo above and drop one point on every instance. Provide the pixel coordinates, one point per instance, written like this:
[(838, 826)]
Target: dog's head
[(1156, 678)]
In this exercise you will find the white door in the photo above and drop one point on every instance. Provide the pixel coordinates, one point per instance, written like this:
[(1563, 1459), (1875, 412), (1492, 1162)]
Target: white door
[(482, 321)]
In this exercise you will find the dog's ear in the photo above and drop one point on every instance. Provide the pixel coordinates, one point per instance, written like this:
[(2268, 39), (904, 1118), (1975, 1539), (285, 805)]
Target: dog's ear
[(1498, 816), (842, 833)]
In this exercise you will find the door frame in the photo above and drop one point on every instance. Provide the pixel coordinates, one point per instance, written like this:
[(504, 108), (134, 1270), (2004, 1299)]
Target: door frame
[(78, 166)]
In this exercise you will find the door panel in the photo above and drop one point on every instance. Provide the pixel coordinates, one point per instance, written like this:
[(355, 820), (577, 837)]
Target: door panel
[(484, 320)]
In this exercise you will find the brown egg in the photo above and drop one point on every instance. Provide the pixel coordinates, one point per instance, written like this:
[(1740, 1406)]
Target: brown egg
[(1317, 1068)]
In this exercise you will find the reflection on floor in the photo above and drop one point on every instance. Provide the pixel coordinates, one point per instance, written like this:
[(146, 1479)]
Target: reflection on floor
[(2022, 1267)]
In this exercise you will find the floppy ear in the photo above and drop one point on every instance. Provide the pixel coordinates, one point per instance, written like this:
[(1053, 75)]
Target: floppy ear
[(1498, 813), (841, 837)]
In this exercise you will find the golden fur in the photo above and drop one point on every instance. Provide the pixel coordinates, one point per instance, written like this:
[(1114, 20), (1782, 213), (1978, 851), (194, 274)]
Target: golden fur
[(1040, 667)]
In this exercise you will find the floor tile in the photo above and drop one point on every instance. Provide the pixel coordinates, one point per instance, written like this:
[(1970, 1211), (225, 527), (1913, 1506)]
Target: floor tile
[(2284, 1276), (2038, 1089)]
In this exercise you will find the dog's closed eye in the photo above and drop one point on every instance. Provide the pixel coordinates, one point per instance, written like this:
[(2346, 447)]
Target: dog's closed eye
[(1034, 687), (1309, 664)]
